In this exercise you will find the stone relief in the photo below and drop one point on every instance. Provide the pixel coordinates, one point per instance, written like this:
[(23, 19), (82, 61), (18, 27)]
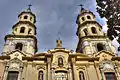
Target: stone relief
[(107, 66)]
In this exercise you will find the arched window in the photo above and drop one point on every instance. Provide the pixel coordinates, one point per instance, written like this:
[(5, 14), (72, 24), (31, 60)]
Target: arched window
[(22, 30), (110, 76), (15, 29), (81, 75), (19, 46), (29, 31), (88, 17), (100, 47), (83, 18), (85, 31), (30, 18), (25, 17), (60, 61), (93, 30), (40, 75)]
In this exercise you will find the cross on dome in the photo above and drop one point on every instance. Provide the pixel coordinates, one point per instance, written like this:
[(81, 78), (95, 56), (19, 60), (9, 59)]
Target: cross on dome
[(29, 7)]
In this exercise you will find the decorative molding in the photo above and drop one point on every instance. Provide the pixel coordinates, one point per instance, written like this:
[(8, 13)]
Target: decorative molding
[(41, 67), (80, 67)]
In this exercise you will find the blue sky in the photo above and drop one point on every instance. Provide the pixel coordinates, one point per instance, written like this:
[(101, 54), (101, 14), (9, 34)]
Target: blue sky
[(53, 17)]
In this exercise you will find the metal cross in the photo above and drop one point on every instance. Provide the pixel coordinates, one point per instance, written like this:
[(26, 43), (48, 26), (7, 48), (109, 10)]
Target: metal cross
[(29, 5), (29, 9), (81, 5)]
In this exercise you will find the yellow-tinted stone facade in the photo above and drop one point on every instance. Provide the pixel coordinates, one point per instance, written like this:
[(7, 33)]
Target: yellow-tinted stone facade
[(95, 57)]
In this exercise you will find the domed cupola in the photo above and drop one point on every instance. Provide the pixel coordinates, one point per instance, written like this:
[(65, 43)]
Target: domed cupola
[(87, 25), (85, 16), (27, 16), (25, 24)]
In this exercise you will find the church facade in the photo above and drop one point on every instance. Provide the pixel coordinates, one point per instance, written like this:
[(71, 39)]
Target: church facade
[(95, 57)]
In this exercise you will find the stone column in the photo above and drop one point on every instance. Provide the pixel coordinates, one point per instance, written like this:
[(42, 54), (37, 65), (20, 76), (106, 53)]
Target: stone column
[(70, 74), (102, 78), (118, 74), (52, 73), (48, 67), (5, 73), (21, 71), (74, 69)]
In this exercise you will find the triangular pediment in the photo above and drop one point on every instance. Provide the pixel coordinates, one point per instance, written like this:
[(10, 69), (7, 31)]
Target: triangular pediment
[(16, 54), (104, 55), (103, 51)]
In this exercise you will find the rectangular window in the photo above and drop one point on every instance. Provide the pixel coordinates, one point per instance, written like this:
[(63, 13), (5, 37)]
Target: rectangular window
[(12, 75), (110, 76)]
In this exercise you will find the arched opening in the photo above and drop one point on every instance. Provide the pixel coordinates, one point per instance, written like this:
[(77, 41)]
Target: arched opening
[(83, 19), (40, 75), (12, 75), (110, 76), (100, 47), (93, 30), (81, 75), (22, 30), (60, 62), (88, 17), (30, 18), (15, 29), (85, 31), (61, 75), (19, 46), (25, 17), (29, 31)]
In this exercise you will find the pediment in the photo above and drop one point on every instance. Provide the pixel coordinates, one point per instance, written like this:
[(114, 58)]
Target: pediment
[(16, 54), (104, 55)]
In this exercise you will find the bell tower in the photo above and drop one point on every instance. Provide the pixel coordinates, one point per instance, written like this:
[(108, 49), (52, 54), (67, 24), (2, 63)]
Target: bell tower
[(90, 35), (23, 37)]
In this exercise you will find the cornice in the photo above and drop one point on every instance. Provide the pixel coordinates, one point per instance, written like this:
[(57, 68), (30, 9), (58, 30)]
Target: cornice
[(115, 58), (59, 50), (88, 59), (4, 57), (33, 58), (25, 22), (85, 23)]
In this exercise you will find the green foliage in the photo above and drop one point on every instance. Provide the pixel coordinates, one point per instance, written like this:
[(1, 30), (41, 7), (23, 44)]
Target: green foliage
[(110, 9)]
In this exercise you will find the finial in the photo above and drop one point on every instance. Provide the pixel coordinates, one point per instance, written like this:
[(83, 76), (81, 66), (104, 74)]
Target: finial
[(81, 7), (58, 43), (29, 7)]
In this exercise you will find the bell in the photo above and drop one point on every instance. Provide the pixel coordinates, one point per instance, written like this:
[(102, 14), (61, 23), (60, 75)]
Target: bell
[(119, 48)]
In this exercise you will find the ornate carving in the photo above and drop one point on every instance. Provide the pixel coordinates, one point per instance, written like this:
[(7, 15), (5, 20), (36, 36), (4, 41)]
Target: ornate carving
[(107, 66), (14, 65), (41, 67), (80, 67), (33, 64)]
